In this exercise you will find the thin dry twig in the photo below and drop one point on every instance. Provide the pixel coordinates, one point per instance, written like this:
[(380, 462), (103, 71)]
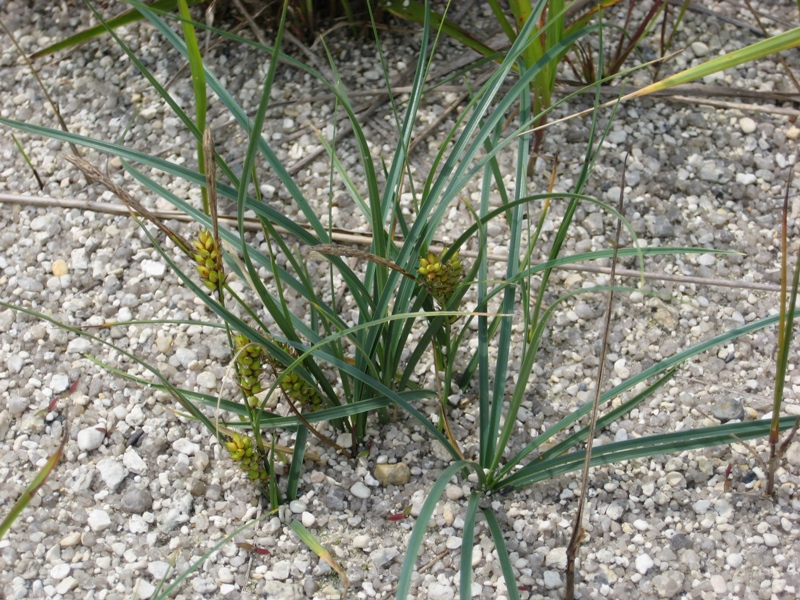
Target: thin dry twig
[(577, 528), (134, 206), (344, 236)]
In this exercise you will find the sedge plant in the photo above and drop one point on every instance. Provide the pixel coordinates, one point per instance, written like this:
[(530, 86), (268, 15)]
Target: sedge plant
[(407, 293)]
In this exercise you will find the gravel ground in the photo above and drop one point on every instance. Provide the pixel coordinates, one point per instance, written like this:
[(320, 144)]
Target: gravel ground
[(140, 486)]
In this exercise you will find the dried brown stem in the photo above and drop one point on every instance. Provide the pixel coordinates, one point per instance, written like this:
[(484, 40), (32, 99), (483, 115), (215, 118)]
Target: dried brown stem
[(345, 236), (134, 206), (577, 528)]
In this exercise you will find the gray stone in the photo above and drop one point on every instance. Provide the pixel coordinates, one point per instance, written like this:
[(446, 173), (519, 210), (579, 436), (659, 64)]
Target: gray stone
[(177, 514), (734, 560), (727, 409), (15, 363), (359, 490), (281, 570), (615, 510), (792, 453), (218, 347), (81, 479), (662, 228), (136, 500), (158, 569), (60, 571), (668, 584), (200, 461), (680, 541), (5, 423), (594, 223), (207, 379), (66, 585), (136, 417), (30, 284), (111, 472), (552, 580), (278, 590), (699, 49), (90, 438), (198, 488), (383, 556), (134, 462), (204, 586), (18, 405), (185, 356), (557, 557), (334, 499), (144, 589), (40, 224), (710, 172), (439, 591), (618, 136)]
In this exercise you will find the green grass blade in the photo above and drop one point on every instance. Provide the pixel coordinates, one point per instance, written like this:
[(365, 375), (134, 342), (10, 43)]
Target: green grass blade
[(320, 550), (665, 365), (467, 544), (509, 301), (581, 435), (126, 18), (502, 554), (296, 468), (198, 87), (421, 526), (28, 162), (767, 47), (34, 486), (654, 445)]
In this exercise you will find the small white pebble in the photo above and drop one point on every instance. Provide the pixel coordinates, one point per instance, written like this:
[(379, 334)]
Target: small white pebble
[(359, 490), (307, 519), (747, 125), (621, 370), (718, 583), (184, 446), (90, 438), (60, 571), (641, 525), (644, 563), (734, 560)]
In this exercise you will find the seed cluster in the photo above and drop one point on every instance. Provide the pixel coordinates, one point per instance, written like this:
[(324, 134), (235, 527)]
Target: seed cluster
[(249, 459), (440, 279), (293, 385), (301, 392), (206, 254), (250, 363)]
